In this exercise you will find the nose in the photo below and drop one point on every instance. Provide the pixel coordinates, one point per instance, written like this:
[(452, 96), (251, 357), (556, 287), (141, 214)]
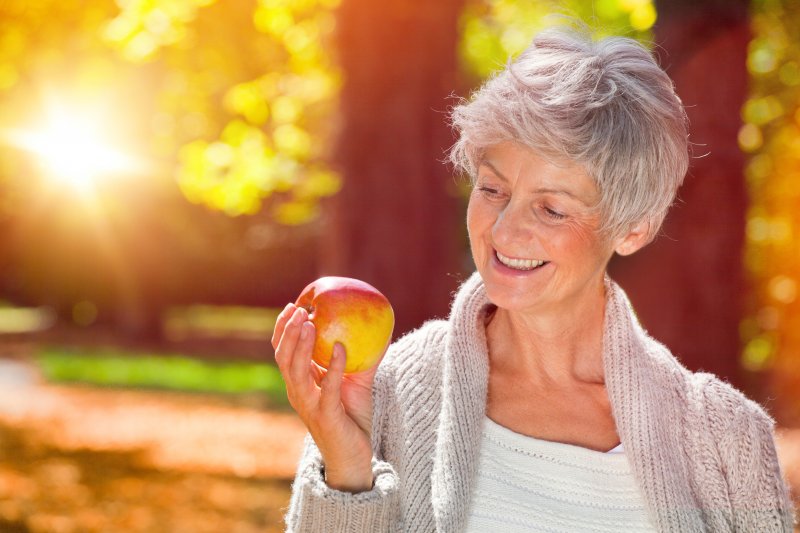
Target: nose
[(514, 226)]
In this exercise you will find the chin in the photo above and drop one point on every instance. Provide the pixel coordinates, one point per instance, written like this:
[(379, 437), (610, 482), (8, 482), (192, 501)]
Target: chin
[(516, 303), (511, 298)]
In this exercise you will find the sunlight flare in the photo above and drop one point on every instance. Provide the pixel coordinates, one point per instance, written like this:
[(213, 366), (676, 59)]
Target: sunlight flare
[(73, 149)]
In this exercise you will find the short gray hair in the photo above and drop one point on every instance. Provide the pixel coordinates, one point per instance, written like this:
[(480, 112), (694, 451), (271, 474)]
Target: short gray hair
[(605, 105)]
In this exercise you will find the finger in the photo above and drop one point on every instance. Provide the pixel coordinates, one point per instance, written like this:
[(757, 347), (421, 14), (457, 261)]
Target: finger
[(317, 373), (280, 323), (286, 346), (330, 395), (301, 366)]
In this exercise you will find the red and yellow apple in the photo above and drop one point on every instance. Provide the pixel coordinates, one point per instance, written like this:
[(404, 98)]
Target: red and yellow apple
[(350, 312)]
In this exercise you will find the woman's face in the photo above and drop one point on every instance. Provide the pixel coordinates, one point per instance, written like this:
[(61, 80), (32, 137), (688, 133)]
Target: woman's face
[(533, 231)]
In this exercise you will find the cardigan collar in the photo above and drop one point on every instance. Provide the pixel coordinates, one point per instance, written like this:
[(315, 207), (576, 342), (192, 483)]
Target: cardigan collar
[(645, 406)]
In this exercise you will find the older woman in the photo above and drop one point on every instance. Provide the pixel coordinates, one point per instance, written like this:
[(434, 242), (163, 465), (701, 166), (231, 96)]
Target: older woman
[(540, 404)]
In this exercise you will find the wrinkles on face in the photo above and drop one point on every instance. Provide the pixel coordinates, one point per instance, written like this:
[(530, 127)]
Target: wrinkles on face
[(520, 216), (527, 208)]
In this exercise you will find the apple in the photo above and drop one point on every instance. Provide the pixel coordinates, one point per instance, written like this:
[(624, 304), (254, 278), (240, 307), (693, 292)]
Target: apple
[(351, 312)]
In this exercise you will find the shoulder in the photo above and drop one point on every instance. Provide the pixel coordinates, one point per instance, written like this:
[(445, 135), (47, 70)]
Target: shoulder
[(735, 420), (704, 393), (724, 407), (722, 398), (719, 408), (725, 428), (743, 436), (740, 431)]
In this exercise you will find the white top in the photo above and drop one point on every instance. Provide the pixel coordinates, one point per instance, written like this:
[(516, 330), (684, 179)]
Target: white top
[(526, 484), (617, 449)]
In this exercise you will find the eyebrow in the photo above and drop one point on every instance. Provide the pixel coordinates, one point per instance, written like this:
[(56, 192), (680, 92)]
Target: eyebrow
[(541, 190)]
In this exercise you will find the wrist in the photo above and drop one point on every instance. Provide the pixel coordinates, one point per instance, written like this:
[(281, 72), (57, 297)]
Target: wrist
[(351, 479)]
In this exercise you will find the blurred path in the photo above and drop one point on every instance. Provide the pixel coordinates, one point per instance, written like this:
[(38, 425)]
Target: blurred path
[(88, 459), (172, 431), (83, 459), (14, 373)]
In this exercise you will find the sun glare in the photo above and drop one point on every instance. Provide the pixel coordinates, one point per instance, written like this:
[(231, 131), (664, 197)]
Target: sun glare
[(72, 149)]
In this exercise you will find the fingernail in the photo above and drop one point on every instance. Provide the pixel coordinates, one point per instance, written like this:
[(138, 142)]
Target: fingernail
[(303, 331)]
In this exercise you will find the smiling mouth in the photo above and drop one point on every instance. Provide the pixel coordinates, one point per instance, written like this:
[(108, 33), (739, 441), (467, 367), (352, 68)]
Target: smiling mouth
[(519, 264)]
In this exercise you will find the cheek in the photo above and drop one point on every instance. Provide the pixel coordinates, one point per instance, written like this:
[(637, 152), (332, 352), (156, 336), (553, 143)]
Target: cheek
[(479, 216), (480, 221), (472, 231), (578, 242), (583, 238)]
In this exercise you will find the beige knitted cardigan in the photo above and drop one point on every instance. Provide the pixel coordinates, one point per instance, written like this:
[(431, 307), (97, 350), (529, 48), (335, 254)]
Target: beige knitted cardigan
[(702, 454)]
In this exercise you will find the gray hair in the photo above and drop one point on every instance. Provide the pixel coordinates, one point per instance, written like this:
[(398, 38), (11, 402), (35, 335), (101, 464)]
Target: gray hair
[(605, 105)]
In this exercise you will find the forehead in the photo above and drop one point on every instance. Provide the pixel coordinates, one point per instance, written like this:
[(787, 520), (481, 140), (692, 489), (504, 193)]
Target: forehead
[(522, 167)]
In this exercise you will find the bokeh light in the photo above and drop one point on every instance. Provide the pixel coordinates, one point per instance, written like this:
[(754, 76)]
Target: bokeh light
[(494, 30), (770, 133)]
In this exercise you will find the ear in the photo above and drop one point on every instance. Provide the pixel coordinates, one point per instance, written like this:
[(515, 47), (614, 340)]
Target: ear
[(636, 238)]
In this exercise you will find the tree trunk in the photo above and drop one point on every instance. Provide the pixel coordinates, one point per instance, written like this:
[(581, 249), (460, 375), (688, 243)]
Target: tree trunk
[(687, 286), (395, 223)]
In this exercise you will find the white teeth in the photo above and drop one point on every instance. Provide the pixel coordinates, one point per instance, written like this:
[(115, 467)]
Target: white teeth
[(519, 264)]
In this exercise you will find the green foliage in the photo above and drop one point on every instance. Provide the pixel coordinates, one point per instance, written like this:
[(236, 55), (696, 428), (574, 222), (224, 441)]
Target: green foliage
[(273, 131), (145, 26), (771, 135), (494, 30), (215, 108), (238, 98), (112, 367)]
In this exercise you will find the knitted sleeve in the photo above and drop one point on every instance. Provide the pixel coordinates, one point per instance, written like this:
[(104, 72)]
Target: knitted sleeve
[(744, 434), (316, 507)]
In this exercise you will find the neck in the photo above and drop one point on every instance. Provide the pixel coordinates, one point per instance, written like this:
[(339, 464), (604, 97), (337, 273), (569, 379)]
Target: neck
[(556, 347)]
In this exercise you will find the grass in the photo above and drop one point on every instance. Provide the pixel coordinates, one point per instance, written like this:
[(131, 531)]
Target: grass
[(115, 367)]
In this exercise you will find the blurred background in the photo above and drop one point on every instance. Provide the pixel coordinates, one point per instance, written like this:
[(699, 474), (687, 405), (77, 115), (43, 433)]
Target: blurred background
[(172, 172)]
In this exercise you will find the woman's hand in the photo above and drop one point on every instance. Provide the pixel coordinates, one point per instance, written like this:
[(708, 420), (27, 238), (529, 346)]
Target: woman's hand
[(336, 408)]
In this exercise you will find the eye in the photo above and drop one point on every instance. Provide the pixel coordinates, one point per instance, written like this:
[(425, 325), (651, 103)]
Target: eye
[(555, 215), (489, 191)]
